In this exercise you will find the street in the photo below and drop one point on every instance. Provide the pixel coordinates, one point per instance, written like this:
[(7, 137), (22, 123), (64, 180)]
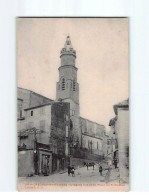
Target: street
[(82, 175)]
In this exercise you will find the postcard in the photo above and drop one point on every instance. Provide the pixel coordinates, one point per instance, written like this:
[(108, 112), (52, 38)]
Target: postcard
[(73, 104)]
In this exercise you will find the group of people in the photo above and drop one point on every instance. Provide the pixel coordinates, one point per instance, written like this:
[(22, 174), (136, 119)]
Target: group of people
[(101, 169), (71, 170)]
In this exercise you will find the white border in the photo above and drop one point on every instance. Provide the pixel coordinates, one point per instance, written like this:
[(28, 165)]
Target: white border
[(138, 12)]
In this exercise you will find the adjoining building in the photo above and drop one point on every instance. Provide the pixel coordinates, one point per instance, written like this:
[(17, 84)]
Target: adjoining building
[(42, 142), (120, 132)]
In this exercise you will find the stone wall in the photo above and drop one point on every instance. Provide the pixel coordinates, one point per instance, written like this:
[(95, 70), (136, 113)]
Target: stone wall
[(122, 126), (25, 163), (60, 128), (84, 154)]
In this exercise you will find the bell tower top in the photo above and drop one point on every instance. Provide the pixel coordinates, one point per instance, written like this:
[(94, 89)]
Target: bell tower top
[(68, 54), (67, 86)]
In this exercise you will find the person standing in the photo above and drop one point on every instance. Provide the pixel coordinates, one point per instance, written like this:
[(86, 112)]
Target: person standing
[(73, 172), (69, 170), (115, 163), (87, 166), (100, 170), (93, 166), (107, 177)]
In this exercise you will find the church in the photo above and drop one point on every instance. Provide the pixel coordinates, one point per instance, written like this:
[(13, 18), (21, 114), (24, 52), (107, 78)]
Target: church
[(86, 134), (51, 133)]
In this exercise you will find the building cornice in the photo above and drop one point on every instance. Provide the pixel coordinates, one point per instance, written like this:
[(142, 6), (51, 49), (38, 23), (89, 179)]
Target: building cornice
[(67, 66)]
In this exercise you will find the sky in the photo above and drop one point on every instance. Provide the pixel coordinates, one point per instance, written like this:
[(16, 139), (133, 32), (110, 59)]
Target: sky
[(101, 46)]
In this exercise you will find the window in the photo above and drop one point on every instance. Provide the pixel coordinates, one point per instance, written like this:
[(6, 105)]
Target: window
[(20, 113), (59, 87), (63, 84), (32, 113), (74, 86), (66, 131), (66, 117), (72, 112), (97, 144)]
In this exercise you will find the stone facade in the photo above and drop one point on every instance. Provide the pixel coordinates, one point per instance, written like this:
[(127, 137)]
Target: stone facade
[(120, 127), (30, 99), (68, 91), (38, 130), (67, 88), (93, 135)]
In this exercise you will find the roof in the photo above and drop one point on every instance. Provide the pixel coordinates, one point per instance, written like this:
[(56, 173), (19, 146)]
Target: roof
[(34, 107), (112, 121), (91, 121), (123, 104), (94, 136), (68, 44), (35, 93)]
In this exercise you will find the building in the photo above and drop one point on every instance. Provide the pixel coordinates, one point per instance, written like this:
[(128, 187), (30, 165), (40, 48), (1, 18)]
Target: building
[(85, 133), (42, 141), (52, 133), (67, 88), (92, 137), (120, 128)]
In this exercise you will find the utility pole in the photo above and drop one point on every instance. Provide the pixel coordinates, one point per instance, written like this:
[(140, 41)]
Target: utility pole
[(91, 146)]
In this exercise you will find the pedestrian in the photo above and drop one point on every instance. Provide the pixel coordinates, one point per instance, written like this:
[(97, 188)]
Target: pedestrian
[(108, 175), (87, 166), (100, 170), (73, 172), (115, 163), (93, 166), (69, 170)]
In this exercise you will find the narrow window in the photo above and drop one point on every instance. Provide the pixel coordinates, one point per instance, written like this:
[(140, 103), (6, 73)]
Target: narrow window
[(32, 113), (20, 113), (66, 117), (66, 131), (74, 86), (63, 84)]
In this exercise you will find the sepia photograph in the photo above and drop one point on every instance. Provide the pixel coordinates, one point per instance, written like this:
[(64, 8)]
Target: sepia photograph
[(73, 104)]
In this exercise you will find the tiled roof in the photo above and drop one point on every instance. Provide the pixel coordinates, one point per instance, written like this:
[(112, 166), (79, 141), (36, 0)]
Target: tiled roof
[(123, 104)]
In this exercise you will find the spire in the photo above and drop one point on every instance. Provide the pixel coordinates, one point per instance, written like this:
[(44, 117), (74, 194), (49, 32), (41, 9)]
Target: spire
[(68, 49), (68, 44)]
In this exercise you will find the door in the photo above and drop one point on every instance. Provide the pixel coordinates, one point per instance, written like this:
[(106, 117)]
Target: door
[(45, 165)]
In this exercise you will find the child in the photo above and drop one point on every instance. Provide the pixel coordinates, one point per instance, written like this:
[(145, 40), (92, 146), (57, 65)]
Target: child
[(100, 170)]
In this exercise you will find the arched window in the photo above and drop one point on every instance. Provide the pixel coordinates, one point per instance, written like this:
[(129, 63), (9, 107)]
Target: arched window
[(63, 84), (74, 86)]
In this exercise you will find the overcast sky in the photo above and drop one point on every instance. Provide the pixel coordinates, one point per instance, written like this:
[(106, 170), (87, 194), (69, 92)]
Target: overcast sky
[(101, 46)]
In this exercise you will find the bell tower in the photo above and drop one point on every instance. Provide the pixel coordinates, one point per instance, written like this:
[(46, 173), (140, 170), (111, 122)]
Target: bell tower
[(67, 87)]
